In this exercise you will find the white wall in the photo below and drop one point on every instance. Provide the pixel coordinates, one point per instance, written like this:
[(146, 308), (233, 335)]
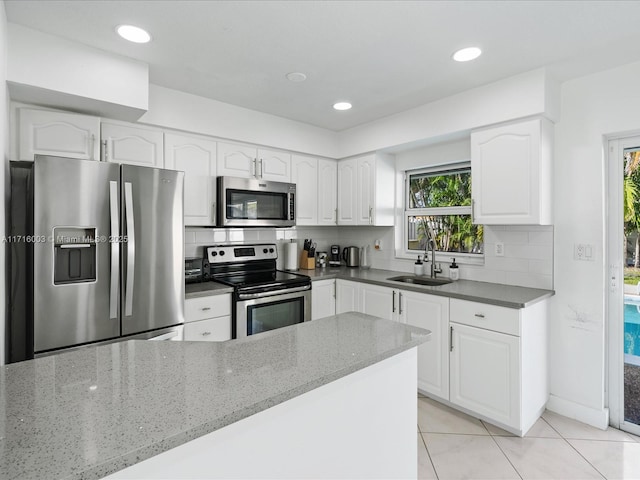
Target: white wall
[(592, 107), (56, 72), (4, 176), (183, 111), (530, 93)]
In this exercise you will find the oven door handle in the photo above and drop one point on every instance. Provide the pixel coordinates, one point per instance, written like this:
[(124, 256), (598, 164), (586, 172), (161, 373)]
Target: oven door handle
[(249, 296)]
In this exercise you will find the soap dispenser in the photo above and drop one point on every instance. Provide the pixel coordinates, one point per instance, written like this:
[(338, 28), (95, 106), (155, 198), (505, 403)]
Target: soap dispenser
[(454, 273), (418, 267)]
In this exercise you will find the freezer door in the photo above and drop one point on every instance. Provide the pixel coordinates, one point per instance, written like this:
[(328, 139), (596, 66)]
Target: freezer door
[(152, 249), (75, 209)]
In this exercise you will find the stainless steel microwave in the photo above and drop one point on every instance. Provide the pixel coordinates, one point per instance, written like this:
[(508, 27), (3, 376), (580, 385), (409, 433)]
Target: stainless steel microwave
[(248, 202)]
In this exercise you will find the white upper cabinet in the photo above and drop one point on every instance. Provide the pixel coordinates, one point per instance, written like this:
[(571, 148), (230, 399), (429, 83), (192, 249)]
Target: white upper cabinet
[(365, 190), (196, 157), (511, 173), (60, 134), (132, 144), (327, 191), (249, 162), (316, 190), (347, 191)]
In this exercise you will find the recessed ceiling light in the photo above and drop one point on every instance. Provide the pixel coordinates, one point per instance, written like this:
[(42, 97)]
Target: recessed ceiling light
[(342, 106), (466, 54), (133, 34), (296, 77)]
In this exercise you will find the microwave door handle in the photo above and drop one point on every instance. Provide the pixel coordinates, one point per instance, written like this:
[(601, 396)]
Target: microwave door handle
[(114, 240), (131, 249)]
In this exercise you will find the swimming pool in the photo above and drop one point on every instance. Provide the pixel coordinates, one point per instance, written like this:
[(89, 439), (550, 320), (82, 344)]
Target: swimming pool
[(632, 325)]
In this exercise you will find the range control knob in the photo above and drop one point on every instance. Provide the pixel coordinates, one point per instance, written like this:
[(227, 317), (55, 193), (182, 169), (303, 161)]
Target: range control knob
[(222, 253), (271, 250), (213, 254), (264, 250)]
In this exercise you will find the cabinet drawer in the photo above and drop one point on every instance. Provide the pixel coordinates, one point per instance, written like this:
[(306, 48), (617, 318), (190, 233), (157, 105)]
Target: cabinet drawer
[(210, 330), (482, 315), (207, 307)]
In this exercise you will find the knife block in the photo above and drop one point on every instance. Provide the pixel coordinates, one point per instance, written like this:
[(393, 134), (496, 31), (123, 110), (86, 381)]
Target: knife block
[(307, 263)]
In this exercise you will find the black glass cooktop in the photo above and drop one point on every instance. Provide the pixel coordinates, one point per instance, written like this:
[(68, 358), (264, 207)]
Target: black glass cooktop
[(259, 279)]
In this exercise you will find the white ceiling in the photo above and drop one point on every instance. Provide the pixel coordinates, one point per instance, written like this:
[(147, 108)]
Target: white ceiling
[(382, 56)]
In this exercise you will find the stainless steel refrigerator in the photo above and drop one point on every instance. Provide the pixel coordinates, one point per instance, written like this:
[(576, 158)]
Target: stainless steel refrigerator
[(96, 254)]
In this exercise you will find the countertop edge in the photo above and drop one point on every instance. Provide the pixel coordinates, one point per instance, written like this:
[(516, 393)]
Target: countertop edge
[(136, 456)]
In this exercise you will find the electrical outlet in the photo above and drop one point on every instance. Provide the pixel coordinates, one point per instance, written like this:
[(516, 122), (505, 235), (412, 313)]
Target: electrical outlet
[(583, 252), (499, 250)]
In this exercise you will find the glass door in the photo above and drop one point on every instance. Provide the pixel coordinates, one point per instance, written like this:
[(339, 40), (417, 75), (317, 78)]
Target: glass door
[(275, 314), (624, 295)]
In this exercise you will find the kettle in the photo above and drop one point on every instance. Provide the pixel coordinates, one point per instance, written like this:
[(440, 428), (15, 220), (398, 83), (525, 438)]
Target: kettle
[(351, 256)]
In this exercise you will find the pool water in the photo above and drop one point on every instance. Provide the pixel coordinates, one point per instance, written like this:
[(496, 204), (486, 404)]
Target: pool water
[(631, 328)]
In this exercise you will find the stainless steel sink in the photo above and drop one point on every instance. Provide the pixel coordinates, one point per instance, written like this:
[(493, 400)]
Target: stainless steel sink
[(416, 280)]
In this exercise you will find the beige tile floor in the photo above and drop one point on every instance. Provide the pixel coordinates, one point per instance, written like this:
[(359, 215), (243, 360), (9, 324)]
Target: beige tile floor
[(452, 445)]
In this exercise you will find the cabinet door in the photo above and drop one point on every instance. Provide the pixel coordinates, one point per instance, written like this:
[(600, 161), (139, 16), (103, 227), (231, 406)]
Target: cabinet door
[(210, 330), (510, 174), (379, 301), (304, 173), (485, 373), (347, 296), (327, 191), (430, 312), (365, 199), (60, 134), (274, 166), (323, 299), (236, 160), (347, 192), (132, 145), (196, 157)]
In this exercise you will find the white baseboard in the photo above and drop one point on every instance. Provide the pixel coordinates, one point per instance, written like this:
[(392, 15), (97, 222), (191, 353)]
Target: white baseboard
[(590, 416)]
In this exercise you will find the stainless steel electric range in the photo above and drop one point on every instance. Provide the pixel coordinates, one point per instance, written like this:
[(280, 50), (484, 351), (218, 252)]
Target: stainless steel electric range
[(264, 298)]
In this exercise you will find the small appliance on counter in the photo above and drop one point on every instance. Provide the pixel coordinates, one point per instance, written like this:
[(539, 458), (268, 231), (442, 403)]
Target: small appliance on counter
[(351, 255), (365, 257), (321, 259), (193, 269), (334, 256)]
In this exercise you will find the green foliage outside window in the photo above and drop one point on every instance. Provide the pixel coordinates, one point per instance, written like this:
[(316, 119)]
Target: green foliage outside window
[(439, 196)]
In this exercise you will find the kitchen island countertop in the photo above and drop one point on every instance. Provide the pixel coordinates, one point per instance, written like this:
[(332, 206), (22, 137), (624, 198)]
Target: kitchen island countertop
[(94, 411)]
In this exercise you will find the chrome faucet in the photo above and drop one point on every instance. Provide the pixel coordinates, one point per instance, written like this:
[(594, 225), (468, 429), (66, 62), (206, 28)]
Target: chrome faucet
[(431, 245)]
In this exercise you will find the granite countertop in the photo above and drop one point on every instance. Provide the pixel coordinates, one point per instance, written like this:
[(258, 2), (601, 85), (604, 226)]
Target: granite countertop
[(93, 411), (492, 293)]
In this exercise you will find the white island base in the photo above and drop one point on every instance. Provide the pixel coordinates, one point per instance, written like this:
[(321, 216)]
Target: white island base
[(362, 425)]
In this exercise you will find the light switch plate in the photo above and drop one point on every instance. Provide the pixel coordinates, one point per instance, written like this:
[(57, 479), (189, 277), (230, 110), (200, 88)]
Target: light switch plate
[(499, 250), (583, 252)]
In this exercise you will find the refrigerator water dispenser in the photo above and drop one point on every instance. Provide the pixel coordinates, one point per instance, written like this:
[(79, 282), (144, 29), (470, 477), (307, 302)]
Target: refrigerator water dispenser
[(74, 256)]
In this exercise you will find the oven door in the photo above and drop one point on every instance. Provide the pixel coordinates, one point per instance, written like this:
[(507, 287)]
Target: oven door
[(261, 312)]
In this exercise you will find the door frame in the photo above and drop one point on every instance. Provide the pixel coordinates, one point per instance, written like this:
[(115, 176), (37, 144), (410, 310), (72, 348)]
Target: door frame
[(614, 274)]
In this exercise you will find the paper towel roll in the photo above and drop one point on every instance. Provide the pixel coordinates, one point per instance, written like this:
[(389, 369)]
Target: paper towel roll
[(291, 256)]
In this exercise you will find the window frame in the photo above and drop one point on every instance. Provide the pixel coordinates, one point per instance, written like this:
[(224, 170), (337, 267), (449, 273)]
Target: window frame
[(407, 212)]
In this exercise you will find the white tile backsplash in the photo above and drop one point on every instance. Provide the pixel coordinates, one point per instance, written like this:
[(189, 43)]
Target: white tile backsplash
[(528, 259)]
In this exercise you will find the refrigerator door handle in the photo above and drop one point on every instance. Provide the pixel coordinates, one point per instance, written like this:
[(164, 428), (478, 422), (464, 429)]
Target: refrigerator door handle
[(131, 249), (114, 240)]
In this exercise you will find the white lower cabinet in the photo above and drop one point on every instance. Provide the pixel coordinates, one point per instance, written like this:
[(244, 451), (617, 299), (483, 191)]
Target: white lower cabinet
[(323, 299), (498, 362), (379, 301), (208, 319), (347, 296), (485, 373), (432, 313)]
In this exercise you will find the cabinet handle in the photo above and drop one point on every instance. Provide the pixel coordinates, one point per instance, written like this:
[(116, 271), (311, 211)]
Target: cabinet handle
[(204, 334), (479, 315), (261, 168), (204, 309), (370, 218), (92, 143), (451, 339), (336, 216), (254, 168), (393, 301), (104, 151), (213, 212), (400, 303)]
